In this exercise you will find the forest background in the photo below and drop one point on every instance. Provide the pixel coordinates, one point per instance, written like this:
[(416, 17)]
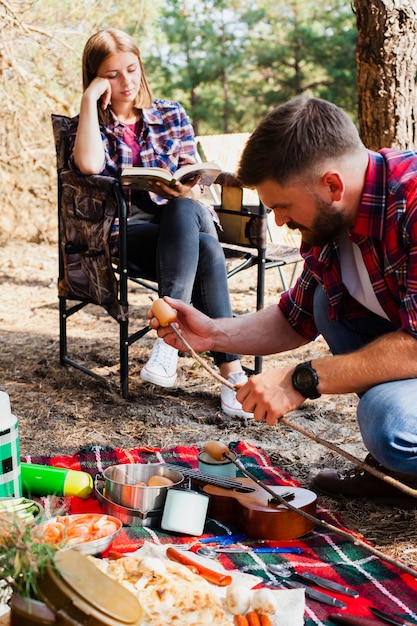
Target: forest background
[(228, 63)]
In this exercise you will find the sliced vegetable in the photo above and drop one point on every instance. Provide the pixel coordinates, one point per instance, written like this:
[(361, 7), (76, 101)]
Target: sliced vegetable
[(25, 509), (74, 529)]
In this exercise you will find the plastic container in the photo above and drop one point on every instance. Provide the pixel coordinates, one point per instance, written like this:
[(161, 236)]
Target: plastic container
[(10, 471), (43, 480)]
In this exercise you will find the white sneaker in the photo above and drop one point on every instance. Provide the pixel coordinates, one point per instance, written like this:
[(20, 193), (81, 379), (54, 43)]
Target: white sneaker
[(161, 369), (230, 405)]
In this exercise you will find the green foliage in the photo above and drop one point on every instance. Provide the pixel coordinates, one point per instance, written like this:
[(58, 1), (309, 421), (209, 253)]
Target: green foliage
[(227, 62), (233, 61), (23, 558)]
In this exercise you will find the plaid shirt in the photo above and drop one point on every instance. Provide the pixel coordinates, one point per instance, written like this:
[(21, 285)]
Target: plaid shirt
[(167, 141), (386, 233)]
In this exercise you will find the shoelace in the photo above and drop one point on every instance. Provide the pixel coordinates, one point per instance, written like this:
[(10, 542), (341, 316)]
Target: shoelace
[(163, 354)]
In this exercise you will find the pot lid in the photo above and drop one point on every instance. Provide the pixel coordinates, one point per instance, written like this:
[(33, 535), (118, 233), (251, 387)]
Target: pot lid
[(77, 586)]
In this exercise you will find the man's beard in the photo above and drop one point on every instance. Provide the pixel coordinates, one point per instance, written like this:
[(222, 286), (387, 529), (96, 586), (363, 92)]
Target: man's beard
[(326, 227)]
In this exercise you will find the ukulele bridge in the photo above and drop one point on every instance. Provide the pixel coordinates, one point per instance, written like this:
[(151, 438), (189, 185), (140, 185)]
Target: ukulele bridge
[(286, 495)]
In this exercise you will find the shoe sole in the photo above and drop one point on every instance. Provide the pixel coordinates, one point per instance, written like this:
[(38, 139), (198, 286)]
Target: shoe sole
[(160, 382), (400, 502), (231, 413)]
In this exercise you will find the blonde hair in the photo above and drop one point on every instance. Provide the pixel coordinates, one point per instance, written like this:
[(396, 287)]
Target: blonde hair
[(100, 46)]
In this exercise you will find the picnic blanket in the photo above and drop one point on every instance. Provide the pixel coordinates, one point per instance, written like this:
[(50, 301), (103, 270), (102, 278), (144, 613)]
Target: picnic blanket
[(380, 584)]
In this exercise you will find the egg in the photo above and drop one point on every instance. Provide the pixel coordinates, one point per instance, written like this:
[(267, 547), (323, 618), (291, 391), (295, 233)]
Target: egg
[(159, 481), (263, 601), (237, 599)]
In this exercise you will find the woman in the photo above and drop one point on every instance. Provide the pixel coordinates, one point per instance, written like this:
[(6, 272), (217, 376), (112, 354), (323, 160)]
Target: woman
[(171, 234)]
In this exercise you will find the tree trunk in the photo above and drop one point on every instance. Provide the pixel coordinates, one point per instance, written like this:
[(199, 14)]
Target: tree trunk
[(386, 56)]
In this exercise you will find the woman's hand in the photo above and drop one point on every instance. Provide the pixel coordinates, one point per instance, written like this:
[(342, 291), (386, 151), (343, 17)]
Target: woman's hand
[(198, 329), (99, 89), (178, 190)]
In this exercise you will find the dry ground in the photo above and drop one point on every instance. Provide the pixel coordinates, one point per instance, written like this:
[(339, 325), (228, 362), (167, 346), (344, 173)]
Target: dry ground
[(61, 410)]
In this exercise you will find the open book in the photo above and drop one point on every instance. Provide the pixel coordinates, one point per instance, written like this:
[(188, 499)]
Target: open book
[(140, 177)]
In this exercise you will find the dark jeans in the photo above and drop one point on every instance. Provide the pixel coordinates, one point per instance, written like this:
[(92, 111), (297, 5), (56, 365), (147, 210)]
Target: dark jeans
[(387, 413), (179, 248)]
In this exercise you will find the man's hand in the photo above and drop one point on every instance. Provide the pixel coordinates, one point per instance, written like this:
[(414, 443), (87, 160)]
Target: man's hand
[(270, 395), (198, 329)]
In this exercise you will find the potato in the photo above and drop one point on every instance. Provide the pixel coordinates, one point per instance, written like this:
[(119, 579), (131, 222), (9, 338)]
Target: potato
[(237, 599), (159, 481), (163, 312)]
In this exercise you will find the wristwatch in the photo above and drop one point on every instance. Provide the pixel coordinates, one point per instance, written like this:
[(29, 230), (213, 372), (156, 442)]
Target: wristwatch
[(305, 380)]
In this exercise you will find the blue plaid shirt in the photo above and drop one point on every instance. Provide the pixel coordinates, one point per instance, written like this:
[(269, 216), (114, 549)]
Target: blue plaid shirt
[(167, 141), (386, 233)]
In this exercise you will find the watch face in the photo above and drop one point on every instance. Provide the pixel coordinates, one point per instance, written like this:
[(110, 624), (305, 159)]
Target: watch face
[(304, 378)]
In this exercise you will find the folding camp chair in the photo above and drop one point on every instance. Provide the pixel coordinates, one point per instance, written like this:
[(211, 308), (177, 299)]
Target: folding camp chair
[(88, 274), (87, 206)]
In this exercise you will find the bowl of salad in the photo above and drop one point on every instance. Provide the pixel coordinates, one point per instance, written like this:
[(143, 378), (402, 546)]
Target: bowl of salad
[(89, 533)]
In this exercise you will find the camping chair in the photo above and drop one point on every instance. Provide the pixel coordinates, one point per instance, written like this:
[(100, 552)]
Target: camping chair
[(87, 206)]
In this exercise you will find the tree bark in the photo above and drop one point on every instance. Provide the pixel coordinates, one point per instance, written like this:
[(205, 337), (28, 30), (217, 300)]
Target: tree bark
[(386, 57)]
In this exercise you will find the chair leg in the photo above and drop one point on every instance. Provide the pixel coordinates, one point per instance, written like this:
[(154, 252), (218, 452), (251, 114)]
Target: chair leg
[(260, 298), (63, 348), (124, 358)]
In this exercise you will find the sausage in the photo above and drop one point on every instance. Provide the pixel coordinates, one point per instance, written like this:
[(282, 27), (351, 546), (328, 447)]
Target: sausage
[(164, 312), (264, 619), (216, 450), (240, 620), (253, 618), (216, 578)]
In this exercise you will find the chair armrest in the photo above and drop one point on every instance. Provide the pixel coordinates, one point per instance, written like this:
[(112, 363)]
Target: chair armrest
[(227, 179)]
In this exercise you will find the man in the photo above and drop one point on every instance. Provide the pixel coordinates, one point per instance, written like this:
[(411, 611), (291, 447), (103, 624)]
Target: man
[(357, 214)]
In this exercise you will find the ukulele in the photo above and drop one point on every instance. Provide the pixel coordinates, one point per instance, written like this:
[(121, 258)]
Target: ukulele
[(255, 513)]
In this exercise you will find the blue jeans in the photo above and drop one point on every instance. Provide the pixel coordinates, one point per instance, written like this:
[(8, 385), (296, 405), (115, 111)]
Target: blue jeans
[(387, 413), (180, 249)]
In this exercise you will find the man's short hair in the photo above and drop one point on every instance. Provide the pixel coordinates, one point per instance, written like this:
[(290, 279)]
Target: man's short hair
[(294, 138)]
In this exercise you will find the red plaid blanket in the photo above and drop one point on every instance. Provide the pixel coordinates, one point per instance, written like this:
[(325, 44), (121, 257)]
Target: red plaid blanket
[(327, 554)]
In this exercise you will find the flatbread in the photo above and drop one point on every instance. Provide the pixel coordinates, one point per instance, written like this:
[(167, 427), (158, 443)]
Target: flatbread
[(168, 592)]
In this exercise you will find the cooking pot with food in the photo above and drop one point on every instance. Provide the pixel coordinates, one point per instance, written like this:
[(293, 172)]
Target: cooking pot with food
[(140, 486)]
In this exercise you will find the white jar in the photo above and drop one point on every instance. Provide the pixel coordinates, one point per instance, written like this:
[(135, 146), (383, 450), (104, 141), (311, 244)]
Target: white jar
[(185, 512)]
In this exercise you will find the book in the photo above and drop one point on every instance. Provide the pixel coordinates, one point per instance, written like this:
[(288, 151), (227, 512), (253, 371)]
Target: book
[(140, 177)]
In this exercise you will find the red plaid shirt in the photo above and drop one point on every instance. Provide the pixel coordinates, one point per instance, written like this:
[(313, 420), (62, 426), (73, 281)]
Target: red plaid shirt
[(386, 233)]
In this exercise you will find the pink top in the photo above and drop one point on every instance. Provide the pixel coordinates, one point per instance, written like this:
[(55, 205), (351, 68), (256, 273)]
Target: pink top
[(130, 137)]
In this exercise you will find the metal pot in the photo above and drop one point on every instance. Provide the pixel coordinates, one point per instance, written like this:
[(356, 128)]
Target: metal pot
[(126, 485)]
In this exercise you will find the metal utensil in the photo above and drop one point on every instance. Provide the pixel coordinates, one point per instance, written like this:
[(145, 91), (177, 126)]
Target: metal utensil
[(324, 583), (390, 618), (313, 594), (212, 551)]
